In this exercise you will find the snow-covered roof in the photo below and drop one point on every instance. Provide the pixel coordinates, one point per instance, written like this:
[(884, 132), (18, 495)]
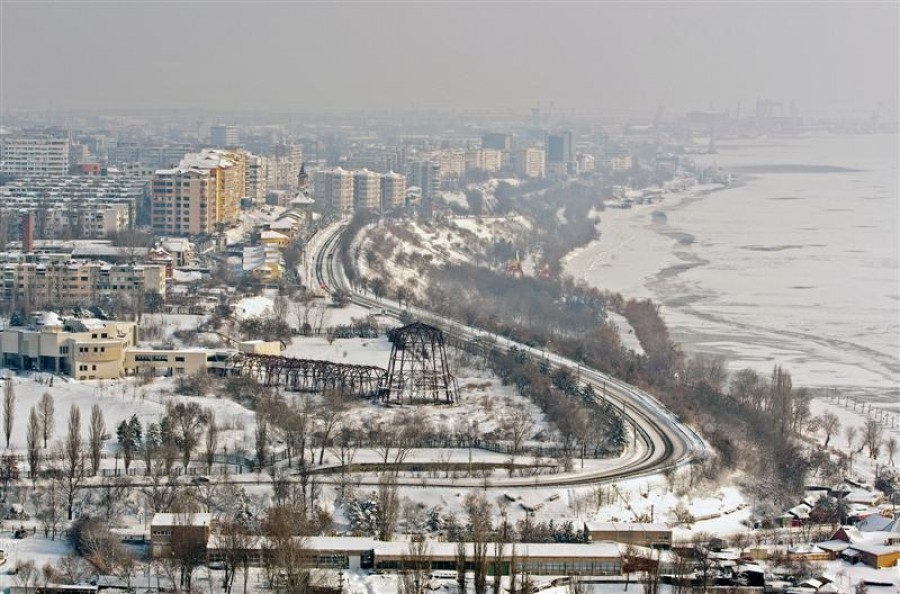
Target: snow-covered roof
[(48, 318), (167, 519), (876, 549), (351, 544), (593, 526), (207, 159), (272, 235), (834, 546), (282, 224), (878, 523), (176, 244)]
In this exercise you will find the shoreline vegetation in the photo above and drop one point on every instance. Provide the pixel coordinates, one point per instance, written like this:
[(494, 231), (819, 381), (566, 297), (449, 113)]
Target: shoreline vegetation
[(748, 412)]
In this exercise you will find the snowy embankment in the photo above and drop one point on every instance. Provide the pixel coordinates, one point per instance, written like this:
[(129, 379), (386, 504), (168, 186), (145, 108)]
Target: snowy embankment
[(403, 253)]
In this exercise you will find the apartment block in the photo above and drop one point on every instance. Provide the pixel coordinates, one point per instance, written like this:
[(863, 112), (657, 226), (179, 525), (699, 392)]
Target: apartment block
[(284, 161), (529, 162), (393, 191), (425, 175), (366, 189), (199, 196), (334, 189), (224, 136), (34, 156), (62, 280)]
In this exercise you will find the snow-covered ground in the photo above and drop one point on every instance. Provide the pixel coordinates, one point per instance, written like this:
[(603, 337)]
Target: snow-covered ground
[(402, 253)]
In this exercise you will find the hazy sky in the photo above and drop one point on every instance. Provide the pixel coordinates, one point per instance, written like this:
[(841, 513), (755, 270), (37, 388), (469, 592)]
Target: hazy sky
[(585, 57)]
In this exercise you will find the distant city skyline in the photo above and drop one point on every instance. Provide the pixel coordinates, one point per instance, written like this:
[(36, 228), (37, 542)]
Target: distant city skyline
[(591, 58)]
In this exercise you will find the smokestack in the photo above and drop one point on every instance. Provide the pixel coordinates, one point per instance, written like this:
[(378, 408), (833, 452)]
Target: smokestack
[(28, 232)]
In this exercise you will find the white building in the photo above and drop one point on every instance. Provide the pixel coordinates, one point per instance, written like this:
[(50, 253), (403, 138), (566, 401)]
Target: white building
[(393, 191), (34, 156), (366, 189), (224, 136), (427, 176), (334, 188), (530, 162), (257, 182)]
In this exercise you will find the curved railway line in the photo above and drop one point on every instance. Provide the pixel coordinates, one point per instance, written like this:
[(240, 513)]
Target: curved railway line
[(660, 440)]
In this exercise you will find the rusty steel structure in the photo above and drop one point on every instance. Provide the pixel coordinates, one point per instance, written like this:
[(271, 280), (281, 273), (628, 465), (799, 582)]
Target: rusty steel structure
[(418, 370), (310, 375)]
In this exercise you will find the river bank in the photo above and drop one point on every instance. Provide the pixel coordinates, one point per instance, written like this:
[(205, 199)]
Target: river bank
[(797, 265)]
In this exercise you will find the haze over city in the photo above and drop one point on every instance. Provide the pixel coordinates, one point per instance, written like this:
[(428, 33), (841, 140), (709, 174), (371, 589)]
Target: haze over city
[(449, 297), (591, 58)]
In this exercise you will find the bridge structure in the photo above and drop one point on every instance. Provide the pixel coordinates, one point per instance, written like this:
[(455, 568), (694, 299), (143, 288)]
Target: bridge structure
[(310, 375)]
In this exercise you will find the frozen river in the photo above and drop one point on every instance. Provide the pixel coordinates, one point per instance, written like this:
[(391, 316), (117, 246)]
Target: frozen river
[(798, 265)]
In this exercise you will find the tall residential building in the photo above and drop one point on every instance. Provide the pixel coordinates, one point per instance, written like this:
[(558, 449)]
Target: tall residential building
[(452, 163), (427, 176), (128, 152), (529, 162), (35, 156), (257, 179), (200, 195), (366, 189), (376, 158), (393, 191), (334, 188), (183, 202), (560, 153), (497, 141), (224, 136), (283, 168), (228, 169)]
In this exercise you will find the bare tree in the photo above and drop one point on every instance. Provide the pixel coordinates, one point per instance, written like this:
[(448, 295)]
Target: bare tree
[(388, 506), (782, 392), (46, 413), (344, 447), (890, 444), (188, 549), (9, 409), (262, 441), (461, 567), (415, 567), (111, 497), (830, 424), (188, 420), (871, 437), (212, 440), (96, 430), (50, 505), (286, 556), (236, 542), (478, 510), (73, 569), (850, 431), (331, 410), (32, 439), (27, 576), (73, 459), (46, 416), (518, 425)]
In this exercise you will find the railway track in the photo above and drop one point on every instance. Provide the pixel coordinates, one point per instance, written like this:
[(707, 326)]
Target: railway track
[(660, 439)]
